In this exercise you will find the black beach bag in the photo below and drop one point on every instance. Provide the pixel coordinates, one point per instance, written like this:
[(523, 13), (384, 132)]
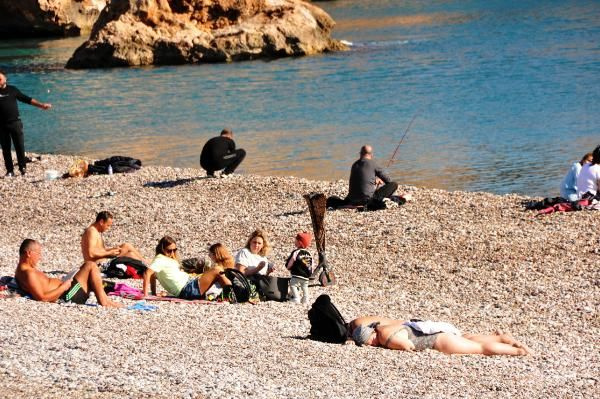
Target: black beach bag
[(271, 288), (241, 290), (115, 268), (326, 322)]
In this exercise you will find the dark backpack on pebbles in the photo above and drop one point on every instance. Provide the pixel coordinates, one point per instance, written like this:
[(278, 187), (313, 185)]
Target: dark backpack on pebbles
[(240, 290), (125, 267), (326, 322)]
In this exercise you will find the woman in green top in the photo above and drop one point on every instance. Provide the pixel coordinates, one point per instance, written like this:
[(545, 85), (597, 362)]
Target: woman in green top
[(166, 267)]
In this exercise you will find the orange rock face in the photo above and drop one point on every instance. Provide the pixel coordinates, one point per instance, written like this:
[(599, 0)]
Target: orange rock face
[(144, 32), (30, 18)]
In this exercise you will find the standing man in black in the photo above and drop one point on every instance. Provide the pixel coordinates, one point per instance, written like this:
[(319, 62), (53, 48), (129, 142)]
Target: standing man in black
[(220, 153), (11, 127), (365, 178)]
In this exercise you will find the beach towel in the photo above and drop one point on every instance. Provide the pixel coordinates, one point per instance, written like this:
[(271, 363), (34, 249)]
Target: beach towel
[(120, 289), (142, 306), (9, 288), (170, 299)]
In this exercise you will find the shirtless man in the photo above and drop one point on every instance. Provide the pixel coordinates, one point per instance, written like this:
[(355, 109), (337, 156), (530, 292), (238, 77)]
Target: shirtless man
[(404, 335), (46, 289), (92, 244)]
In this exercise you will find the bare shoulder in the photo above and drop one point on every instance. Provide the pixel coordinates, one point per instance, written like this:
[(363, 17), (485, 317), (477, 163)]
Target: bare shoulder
[(365, 320), (27, 276), (90, 232)]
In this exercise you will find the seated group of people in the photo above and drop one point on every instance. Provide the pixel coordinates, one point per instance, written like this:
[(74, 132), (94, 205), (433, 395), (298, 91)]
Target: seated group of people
[(583, 177), (165, 267)]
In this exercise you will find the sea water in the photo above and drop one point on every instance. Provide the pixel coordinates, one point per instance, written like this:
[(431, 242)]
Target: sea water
[(504, 95)]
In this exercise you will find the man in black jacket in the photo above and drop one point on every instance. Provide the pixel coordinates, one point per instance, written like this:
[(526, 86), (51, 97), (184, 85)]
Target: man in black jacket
[(369, 185), (220, 153), (11, 127)]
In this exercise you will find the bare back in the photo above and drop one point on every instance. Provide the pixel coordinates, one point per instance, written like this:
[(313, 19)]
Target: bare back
[(34, 281)]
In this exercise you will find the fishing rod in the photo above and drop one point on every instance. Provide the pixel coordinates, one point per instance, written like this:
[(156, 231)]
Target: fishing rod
[(402, 139)]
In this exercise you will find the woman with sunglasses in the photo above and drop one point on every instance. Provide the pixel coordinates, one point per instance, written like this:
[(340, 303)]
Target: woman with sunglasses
[(166, 267)]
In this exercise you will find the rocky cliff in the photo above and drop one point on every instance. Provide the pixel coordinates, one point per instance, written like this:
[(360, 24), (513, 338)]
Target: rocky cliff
[(31, 18), (144, 32)]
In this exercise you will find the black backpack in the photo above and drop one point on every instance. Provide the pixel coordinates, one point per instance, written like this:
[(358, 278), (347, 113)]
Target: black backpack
[(326, 322), (240, 286), (113, 270), (271, 288)]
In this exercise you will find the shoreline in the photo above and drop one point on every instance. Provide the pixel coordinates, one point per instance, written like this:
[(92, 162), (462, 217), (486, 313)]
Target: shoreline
[(477, 260)]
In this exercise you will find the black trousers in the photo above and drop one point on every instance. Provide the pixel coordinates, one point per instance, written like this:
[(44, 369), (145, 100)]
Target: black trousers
[(382, 192), (228, 162), (12, 131)]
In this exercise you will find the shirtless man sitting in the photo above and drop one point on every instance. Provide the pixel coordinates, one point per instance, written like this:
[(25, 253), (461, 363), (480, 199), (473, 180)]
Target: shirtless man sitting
[(46, 289), (92, 243)]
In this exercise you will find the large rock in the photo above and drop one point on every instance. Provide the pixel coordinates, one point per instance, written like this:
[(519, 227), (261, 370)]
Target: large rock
[(30, 18), (144, 32)]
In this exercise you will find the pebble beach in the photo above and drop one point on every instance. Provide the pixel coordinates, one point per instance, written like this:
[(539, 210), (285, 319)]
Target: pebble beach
[(477, 260)]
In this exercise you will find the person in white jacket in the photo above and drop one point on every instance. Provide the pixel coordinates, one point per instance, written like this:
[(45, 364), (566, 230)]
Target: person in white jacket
[(568, 186)]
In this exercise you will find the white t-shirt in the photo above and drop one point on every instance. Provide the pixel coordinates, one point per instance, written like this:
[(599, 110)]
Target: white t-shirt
[(250, 260), (588, 179), (169, 274)]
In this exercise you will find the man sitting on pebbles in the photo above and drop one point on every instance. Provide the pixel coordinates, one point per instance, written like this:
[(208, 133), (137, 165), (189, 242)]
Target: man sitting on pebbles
[(92, 243), (74, 289), (369, 185), (418, 335)]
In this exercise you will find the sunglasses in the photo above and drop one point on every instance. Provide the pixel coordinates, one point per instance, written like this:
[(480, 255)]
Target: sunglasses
[(170, 250)]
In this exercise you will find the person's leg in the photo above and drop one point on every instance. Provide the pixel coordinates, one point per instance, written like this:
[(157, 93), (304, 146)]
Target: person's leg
[(16, 132), (500, 338), (210, 277), (295, 289), (5, 141), (385, 191), (209, 167), (129, 251), (453, 344), (232, 161), (89, 278), (304, 285)]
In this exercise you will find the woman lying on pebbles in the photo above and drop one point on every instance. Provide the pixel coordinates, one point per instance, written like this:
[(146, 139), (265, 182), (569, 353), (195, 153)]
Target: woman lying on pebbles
[(252, 259), (421, 335), (167, 268)]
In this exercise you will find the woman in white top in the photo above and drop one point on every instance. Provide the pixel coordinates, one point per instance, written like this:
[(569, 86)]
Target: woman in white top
[(588, 180), (568, 187), (252, 259)]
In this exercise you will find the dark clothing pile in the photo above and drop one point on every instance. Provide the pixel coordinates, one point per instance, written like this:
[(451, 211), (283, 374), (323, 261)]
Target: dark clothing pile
[(119, 164), (559, 204), (220, 153)]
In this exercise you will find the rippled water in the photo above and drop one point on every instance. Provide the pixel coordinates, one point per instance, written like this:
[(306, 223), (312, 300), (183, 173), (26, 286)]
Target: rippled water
[(506, 96)]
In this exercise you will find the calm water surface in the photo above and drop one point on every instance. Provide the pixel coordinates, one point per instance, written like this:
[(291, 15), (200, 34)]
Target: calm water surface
[(506, 96)]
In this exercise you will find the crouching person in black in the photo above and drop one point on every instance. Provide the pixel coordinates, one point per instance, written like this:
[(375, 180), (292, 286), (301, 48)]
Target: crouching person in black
[(220, 153)]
